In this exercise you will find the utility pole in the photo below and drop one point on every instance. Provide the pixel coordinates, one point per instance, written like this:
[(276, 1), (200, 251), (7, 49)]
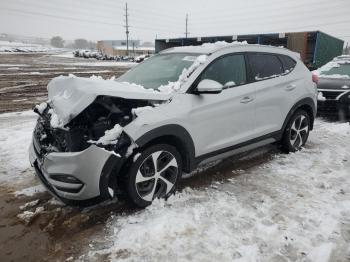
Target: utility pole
[(127, 28), (186, 33)]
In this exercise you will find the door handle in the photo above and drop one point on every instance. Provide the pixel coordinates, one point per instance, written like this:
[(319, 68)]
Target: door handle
[(246, 99), (290, 87)]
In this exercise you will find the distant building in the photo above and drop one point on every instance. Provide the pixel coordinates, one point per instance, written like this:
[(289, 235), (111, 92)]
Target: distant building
[(315, 48), (119, 48)]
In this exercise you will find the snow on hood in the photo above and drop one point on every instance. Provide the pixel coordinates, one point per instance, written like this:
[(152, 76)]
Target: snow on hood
[(336, 62), (70, 95)]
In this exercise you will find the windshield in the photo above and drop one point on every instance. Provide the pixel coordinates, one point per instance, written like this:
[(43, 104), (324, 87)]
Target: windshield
[(340, 70), (159, 70)]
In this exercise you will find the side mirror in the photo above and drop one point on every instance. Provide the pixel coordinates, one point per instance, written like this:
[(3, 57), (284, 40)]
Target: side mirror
[(207, 86)]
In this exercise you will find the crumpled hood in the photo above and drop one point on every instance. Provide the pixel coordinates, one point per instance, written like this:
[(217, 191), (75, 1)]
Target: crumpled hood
[(70, 95)]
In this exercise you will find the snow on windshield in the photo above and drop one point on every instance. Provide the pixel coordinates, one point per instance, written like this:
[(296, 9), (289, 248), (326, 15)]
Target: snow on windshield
[(186, 72), (337, 68)]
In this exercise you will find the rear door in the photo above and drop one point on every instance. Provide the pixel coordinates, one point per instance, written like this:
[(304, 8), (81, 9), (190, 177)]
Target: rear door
[(275, 90)]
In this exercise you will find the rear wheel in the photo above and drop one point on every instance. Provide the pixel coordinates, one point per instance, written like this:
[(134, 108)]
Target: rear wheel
[(296, 132), (154, 174)]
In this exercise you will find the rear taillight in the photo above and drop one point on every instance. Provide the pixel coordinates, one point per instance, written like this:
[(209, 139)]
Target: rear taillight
[(315, 78)]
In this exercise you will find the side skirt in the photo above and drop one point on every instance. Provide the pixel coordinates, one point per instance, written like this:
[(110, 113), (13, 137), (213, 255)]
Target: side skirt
[(239, 148)]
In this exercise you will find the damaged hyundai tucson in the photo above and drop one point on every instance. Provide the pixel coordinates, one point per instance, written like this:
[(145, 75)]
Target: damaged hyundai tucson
[(134, 136)]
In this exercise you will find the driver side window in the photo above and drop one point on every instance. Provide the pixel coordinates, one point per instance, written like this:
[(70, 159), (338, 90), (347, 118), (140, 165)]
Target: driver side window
[(228, 70)]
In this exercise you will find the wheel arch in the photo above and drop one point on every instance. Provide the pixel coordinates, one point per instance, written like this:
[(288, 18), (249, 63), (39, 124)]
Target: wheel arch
[(174, 135), (306, 104)]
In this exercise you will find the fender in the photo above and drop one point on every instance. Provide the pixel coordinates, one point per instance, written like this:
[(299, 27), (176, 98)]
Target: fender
[(305, 101), (176, 131)]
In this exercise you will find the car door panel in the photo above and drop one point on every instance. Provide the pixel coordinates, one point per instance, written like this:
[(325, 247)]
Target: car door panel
[(275, 91), (222, 120)]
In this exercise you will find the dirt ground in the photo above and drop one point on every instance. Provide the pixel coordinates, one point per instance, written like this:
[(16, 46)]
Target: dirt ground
[(61, 232), (24, 77), (23, 81)]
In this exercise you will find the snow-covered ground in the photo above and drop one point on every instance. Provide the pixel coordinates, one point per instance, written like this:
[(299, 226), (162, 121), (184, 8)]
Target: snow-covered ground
[(6, 46), (293, 207)]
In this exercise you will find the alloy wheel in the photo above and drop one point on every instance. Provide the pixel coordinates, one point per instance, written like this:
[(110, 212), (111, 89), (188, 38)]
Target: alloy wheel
[(156, 176), (299, 131)]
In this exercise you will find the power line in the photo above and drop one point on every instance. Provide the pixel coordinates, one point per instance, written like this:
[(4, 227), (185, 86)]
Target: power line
[(36, 14), (58, 16), (242, 16), (89, 10), (274, 19), (142, 11), (249, 6), (46, 9)]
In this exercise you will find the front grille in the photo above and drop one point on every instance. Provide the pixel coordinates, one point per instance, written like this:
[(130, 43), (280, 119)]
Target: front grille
[(327, 106), (331, 95)]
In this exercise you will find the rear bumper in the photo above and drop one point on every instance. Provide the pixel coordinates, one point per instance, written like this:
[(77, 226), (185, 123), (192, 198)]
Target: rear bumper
[(74, 176)]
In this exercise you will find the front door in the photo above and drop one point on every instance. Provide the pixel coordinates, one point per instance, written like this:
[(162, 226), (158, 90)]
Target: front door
[(218, 121)]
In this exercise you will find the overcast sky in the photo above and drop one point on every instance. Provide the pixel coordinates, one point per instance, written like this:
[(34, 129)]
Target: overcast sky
[(104, 19)]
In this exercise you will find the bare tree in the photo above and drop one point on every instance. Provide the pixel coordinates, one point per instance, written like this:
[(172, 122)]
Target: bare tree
[(57, 41)]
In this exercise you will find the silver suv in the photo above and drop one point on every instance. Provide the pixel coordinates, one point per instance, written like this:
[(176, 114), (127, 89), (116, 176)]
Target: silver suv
[(134, 136)]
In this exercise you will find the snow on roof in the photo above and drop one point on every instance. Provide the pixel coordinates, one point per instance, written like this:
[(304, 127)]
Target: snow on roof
[(208, 48), (123, 47)]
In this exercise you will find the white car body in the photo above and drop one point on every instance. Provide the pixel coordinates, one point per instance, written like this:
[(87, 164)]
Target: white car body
[(272, 99), (207, 126)]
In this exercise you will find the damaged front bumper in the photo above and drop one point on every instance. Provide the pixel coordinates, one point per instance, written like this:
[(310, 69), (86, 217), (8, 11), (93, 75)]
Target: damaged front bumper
[(75, 177)]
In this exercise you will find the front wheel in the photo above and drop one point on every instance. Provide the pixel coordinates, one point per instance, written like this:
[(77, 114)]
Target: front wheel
[(153, 174), (296, 132)]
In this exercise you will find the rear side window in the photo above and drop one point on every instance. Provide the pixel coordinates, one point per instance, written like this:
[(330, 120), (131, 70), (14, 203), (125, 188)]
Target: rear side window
[(265, 66), (288, 63), (227, 70)]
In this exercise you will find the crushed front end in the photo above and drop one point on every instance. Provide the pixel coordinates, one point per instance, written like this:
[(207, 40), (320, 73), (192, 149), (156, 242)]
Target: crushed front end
[(67, 159)]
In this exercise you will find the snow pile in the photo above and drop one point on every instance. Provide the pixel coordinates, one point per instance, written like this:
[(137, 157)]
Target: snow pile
[(175, 86), (335, 76), (219, 44), (320, 97), (55, 120), (41, 108), (6, 46), (139, 110), (292, 207), (29, 204), (15, 136), (130, 149), (110, 137), (30, 191), (272, 76), (28, 216)]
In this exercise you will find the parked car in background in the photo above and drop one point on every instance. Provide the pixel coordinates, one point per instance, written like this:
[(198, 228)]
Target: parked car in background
[(334, 88), (141, 58), (186, 106)]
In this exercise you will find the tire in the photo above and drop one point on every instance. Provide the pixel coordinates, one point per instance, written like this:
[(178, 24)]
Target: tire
[(297, 132), (151, 184)]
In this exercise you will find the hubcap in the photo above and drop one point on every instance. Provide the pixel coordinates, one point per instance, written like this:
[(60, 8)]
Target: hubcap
[(299, 131), (156, 175)]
